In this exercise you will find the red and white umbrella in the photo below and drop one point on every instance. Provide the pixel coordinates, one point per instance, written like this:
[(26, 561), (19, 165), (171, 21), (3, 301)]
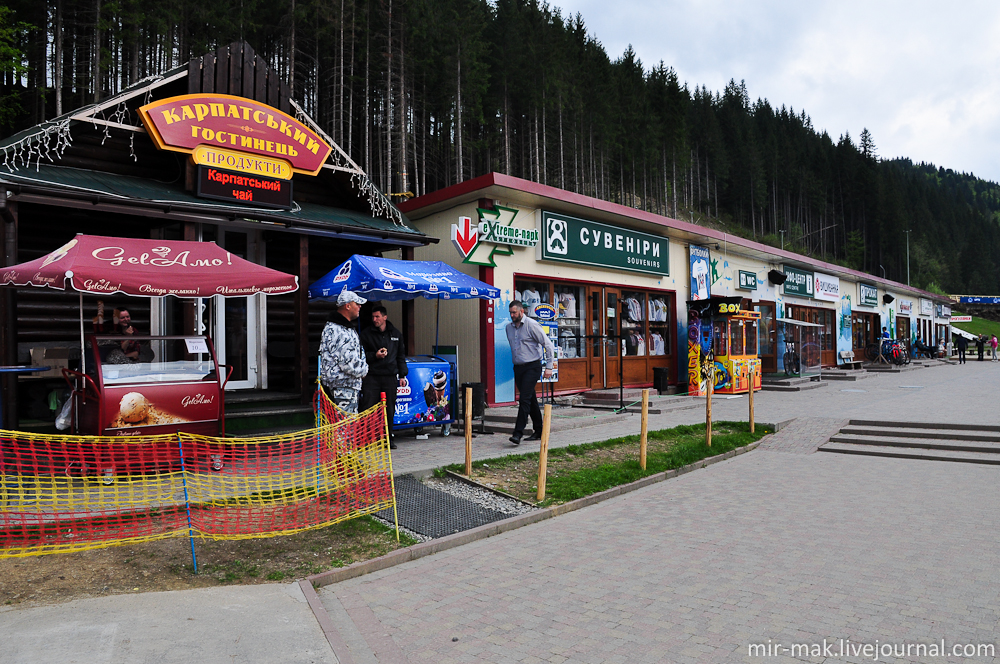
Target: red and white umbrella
[(150, 268)]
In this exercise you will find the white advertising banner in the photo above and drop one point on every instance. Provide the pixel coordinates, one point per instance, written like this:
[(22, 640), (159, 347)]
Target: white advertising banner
[(926, 307), (905, 307), (827, 287)]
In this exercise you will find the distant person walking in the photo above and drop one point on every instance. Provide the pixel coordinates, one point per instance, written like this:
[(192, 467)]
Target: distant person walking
[(993, 347), (528, 345), (962, 344), (980, 345)]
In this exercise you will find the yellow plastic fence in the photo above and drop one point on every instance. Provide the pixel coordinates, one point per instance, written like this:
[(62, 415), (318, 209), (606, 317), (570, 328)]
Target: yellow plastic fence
[(71, 493)]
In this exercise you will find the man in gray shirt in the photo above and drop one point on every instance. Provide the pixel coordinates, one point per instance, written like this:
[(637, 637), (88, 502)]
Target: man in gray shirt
[(528, 344)]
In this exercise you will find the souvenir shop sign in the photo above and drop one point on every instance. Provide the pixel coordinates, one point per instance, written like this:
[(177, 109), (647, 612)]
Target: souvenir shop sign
[(185, 122), (826, 287), (572, 240), (867, 295), (799, 282), (748, 281)]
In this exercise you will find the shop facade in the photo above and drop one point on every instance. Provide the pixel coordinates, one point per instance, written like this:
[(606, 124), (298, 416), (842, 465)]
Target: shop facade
[(614, 283), (216, 150)]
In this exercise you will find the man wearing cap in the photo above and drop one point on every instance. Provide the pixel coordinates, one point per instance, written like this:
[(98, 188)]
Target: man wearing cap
[(342, 361), (528, 345)]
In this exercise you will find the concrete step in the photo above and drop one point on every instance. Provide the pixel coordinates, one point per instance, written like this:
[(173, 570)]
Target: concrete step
[(257, 396), (922, 433), (912, 453), (892, 368), (631, 394), (274, 411), (845, 374), (960, 445), (799, 387), (926, 425)]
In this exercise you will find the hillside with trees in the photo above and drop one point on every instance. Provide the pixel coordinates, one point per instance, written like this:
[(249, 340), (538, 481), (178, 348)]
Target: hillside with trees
[(426, 93)]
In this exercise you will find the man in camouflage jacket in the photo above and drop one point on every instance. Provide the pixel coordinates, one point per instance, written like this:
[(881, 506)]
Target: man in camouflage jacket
[(342, 361)]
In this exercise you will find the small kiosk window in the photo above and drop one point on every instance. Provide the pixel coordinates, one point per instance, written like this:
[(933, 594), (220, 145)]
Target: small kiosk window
[(735, 336), (720, 337), (750, 337)]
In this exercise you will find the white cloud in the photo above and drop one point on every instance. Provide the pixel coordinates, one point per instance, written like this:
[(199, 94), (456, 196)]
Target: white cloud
[(921, 76)]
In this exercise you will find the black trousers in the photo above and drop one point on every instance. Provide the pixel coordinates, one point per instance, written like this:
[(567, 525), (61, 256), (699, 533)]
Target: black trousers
[(372, 387), (961, 356), (525, 377)]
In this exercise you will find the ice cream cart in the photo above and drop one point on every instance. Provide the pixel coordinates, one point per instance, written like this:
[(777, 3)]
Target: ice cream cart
[(176, 385), (723, 336)]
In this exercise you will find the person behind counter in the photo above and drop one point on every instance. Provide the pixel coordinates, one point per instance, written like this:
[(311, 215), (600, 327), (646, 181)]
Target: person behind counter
[(120, 324), (386, 365)]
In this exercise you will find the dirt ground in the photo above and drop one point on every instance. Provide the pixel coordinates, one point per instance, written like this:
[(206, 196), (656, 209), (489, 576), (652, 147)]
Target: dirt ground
[(166, 564)]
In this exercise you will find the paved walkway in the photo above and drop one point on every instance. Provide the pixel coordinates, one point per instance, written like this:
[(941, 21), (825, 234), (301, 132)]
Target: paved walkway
[(950, 393), (779, 544)]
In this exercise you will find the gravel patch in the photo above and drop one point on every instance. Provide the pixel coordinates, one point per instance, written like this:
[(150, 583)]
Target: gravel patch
[(402, 529), (482, 497)]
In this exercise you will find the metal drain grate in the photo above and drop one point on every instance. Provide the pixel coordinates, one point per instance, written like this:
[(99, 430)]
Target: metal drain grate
[(435, 513)]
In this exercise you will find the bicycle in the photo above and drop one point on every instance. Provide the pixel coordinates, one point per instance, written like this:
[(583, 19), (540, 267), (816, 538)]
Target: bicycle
[(790, 360)]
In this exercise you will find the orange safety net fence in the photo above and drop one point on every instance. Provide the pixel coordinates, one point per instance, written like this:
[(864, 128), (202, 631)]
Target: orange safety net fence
[(71, 493)]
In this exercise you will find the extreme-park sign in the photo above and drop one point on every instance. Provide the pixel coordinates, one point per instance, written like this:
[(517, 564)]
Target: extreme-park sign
[(235, 125), (571, 240)]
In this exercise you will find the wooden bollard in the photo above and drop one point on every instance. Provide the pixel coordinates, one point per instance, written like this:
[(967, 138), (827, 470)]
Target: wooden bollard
[(752, 372), (543, 452), (645, 427), (468, 432), (708, 406)]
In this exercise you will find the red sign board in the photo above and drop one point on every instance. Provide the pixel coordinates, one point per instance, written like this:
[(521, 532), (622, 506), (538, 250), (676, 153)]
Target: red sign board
[(242, 188), (185, 122)]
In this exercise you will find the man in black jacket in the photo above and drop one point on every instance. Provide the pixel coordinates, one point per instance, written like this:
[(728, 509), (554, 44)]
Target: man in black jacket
[(386, 364), (961, 343)]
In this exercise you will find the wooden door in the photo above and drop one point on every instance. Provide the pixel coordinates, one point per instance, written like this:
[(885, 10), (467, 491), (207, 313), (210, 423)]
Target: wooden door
[(613, 339), (595, 337), (767, 337)]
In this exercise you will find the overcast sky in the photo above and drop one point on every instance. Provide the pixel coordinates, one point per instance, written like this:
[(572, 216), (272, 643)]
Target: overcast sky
[(923, 77)]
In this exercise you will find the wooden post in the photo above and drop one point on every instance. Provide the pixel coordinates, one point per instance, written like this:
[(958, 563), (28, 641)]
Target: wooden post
[(708, 405), (468, 432), (543, 453), (753, 370), (645, 426)]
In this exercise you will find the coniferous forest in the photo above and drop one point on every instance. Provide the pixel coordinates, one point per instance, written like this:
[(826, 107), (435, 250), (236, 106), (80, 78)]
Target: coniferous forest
[(426, 93)]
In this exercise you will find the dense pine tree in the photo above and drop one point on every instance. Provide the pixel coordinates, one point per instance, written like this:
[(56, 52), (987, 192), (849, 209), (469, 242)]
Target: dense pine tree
[(425, 93)]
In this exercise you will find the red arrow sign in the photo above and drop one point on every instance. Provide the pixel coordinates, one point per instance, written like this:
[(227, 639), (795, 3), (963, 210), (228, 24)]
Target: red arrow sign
[(464, 235)]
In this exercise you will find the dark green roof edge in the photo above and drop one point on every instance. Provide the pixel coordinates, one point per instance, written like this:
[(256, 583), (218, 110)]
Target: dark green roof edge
[(128, 188)]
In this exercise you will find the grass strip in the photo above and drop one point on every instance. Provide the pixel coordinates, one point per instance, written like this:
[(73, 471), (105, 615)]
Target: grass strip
[(684, 444)]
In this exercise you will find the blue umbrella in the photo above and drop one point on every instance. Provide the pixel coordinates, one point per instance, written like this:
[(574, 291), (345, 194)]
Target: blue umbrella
[(387, 279)]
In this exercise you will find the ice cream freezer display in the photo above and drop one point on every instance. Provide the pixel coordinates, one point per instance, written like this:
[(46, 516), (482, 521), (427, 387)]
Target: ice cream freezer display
[(424, 396), (148, 385)]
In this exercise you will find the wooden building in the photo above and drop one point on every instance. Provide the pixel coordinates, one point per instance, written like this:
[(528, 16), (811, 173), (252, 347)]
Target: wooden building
[(102, 170)]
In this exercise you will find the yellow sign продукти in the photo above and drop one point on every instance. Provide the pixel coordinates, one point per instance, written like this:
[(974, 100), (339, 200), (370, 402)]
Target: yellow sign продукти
[(209, 155)]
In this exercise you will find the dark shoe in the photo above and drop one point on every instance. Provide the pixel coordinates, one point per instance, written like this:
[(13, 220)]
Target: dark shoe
[(516, 439), (392, 445), (534, 436)]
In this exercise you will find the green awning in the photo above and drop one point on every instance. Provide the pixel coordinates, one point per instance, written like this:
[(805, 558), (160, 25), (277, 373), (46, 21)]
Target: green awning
[(130, 190)]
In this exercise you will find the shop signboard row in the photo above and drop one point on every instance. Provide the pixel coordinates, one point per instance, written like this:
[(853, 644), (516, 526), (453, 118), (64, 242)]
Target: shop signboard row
[(803, 283)]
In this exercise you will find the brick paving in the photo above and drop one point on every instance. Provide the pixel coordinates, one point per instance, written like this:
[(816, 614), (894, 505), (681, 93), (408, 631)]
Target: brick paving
[(780, 544)]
